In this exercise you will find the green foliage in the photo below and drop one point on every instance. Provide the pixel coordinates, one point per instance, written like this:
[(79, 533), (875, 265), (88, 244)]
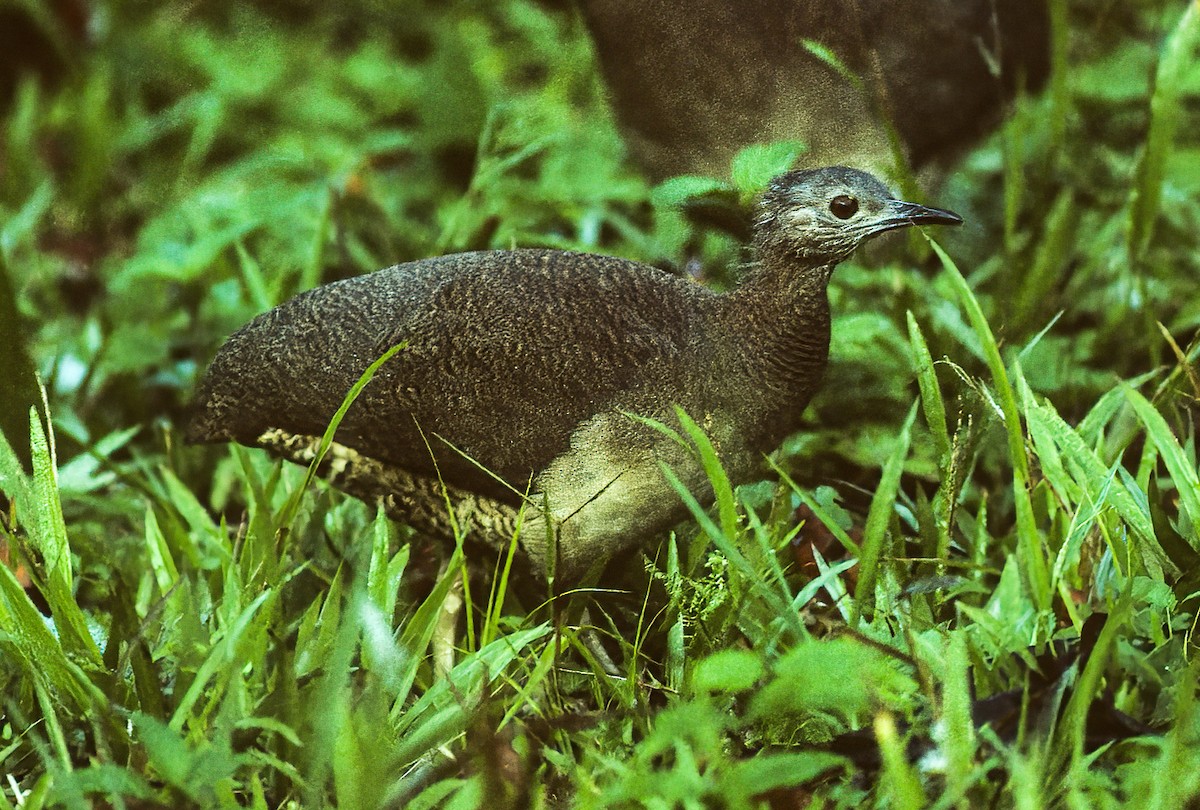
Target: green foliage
[(1180, 52), (16, 369), (1005, 445)]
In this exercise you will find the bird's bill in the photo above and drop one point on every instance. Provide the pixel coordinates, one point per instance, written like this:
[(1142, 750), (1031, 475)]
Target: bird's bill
[(905, 214)]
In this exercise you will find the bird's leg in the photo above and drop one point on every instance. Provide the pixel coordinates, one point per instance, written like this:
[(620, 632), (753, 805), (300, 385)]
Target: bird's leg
[(591, 642)]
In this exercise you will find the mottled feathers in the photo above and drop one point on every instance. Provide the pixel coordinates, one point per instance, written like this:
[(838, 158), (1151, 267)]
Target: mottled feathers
[(521, 372)]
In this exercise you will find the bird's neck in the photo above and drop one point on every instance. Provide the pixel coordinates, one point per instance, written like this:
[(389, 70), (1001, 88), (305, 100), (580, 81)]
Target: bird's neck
[(784, 305)]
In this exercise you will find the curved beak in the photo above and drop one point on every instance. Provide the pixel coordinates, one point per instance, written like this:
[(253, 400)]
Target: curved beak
[(904, 214)]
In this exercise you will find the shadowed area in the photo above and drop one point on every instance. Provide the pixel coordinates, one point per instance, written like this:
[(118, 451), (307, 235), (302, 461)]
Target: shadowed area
[(692, 82)]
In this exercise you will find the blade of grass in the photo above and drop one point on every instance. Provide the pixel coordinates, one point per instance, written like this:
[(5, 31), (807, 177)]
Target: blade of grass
[(900, 782), (1181, 360), (384, 574), (934, 408), (224, 657), (319, 626), (37, 650), (959, 744), (1013, 137), (707, 455), (49, 535), (494, 611), (726, 546), (819, 511), (1181, 468), (1179, 756), (162, 564), (1071, 733), (460, 691), (1029, 543), (931, 394), (310, 273), (288, 515), (878, 518), (252, 277), (1054, 247), (759, 532), (1076, 471), (722, 489), (327, 710), (14, 481), (676, 633), (1059, 92), (419, 630)]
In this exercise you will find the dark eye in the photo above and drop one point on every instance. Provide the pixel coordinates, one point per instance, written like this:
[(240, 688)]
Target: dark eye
[(843, 206)]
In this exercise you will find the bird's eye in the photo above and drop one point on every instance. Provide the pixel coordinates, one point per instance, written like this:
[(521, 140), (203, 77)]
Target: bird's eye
[(843, 206)]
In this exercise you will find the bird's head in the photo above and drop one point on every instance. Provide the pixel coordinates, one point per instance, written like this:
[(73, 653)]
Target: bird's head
[(821, 215)]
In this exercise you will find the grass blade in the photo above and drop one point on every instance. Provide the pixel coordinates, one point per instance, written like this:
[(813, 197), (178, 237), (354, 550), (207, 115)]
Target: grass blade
[(1029, 542), (726, 546), (1181, 468), (722, 489), (878, 517), (1078, 474), (293, 504), (49, 535), (931, 394)]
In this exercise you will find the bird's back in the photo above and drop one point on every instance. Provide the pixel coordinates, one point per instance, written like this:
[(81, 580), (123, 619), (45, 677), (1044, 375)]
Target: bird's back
[(505, 354)]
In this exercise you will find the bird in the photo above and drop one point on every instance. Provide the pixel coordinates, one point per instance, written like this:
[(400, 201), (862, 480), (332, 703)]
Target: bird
[(517, 402), (692, 82)]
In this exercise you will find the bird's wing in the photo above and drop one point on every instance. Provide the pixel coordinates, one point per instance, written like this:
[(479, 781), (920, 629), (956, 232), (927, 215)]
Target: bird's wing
[(505, 354)]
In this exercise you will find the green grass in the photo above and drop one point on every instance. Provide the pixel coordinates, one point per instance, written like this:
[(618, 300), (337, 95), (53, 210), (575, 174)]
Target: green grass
[(1005, 446)]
